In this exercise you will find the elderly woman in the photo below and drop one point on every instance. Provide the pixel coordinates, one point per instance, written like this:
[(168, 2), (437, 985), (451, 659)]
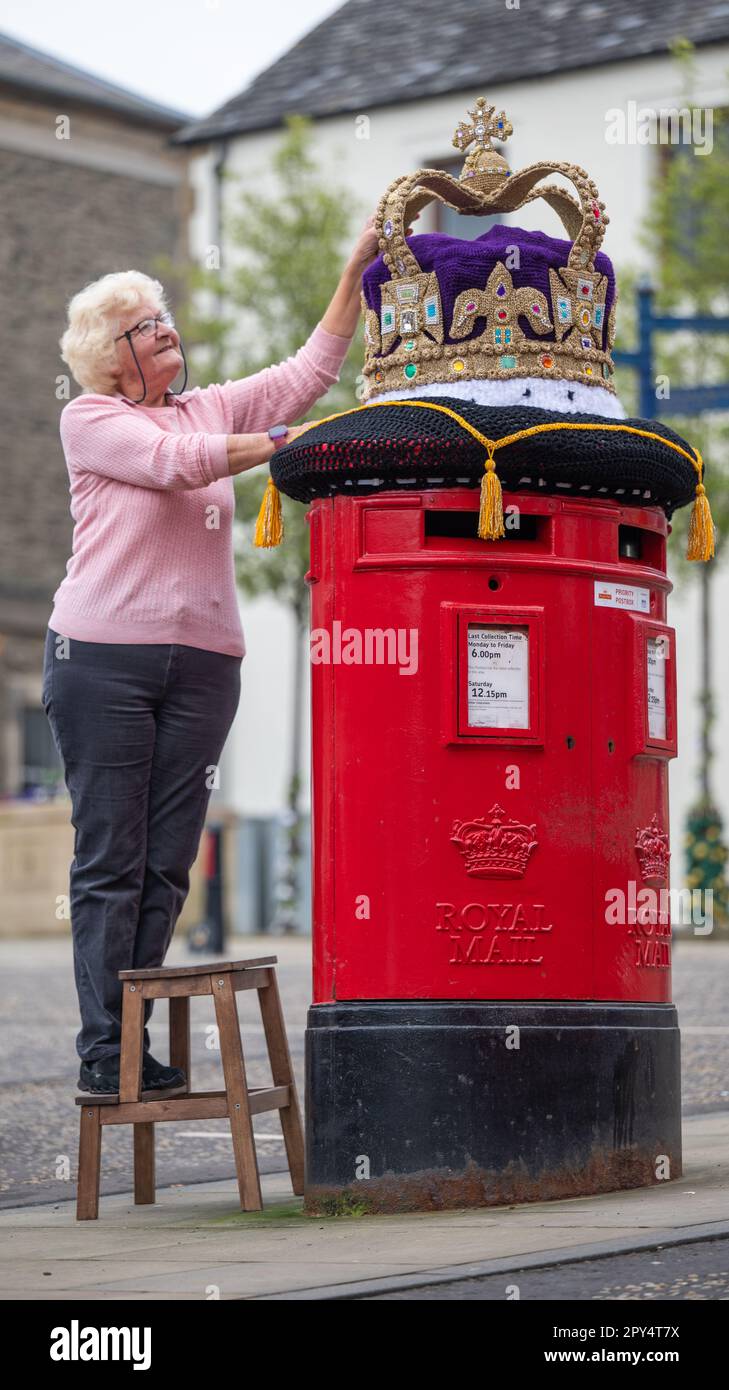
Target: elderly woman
[(141, 675)]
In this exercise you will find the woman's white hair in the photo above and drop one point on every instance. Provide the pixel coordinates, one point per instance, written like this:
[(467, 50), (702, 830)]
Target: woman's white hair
[(94, 319)]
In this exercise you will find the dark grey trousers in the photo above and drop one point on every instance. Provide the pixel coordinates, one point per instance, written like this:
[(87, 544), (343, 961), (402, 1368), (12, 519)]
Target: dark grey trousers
[(139, 730)]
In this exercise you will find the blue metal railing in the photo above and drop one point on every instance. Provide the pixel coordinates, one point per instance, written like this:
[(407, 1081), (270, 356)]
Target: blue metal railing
[(683, 400)]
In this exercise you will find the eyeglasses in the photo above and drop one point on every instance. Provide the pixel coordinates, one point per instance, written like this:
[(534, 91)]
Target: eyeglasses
[(146, 327)]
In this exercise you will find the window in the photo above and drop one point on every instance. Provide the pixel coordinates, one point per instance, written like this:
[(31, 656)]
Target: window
[(676, 130)]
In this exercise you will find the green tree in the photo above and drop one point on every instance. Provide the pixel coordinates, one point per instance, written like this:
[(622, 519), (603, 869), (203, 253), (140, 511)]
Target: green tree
[(686, 232), (284, 251)]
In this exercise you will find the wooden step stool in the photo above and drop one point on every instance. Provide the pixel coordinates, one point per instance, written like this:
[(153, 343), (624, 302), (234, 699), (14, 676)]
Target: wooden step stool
[(237, 1103)]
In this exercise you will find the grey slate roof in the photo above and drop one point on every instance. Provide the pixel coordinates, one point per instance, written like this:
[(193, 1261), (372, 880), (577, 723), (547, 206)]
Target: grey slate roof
[(373, 53), (27, 70)]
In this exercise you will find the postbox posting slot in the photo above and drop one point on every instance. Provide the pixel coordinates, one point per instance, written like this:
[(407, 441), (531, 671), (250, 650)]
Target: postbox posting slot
[(642, 546), (654, 659), (433, 528), (528, 529), (493, 674)]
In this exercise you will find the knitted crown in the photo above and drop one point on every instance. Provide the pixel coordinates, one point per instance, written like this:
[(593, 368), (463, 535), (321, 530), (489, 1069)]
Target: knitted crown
[(511, 303), (471, 346)]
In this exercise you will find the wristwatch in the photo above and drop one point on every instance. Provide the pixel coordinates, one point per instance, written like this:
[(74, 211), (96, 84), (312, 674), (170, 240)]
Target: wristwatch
[(278, 433)]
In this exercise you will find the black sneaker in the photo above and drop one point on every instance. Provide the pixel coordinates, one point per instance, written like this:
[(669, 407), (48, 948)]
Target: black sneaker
[(100, 1075), (156, 1077)]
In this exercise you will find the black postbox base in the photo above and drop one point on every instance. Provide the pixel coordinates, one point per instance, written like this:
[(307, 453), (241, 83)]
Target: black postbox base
[(420, 1106)]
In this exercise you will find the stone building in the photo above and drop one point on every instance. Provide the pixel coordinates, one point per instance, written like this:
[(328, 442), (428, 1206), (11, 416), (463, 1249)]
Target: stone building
[(90, 184)]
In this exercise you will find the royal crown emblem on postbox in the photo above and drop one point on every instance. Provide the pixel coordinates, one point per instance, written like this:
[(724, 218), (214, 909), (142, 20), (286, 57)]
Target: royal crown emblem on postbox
[(494, 847), (651, 845)]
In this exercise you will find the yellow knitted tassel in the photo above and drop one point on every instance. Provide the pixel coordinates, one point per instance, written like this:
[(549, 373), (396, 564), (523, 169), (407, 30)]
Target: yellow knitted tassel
[(701, 528), (491, 512), (269, 526)]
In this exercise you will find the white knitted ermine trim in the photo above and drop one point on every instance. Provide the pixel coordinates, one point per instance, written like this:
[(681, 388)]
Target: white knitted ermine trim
[(543, 395)]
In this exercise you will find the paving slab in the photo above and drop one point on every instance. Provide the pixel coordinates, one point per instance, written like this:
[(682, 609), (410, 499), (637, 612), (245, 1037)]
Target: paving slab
[(195, 1243)]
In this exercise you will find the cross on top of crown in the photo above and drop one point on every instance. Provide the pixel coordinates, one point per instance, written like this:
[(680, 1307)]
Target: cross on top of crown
[(485, 126)]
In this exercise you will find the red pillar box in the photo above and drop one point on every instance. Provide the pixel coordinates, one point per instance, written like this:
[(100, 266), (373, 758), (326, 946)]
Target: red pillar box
[(480, 1031), (492, 729), (493, 715)]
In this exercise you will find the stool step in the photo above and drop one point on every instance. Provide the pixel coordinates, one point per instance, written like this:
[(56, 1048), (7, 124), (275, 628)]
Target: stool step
[(171, 972), (199, 1105)]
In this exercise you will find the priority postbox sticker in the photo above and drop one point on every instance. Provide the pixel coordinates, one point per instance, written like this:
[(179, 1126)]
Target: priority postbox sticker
[(630, 596)]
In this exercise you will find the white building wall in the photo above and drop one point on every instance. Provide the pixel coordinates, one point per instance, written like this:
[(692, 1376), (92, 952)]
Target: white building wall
[(561, 117)]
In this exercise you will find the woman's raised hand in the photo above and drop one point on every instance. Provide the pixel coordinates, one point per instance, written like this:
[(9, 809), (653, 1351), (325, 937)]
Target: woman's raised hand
[(296, 429), (366, 248)]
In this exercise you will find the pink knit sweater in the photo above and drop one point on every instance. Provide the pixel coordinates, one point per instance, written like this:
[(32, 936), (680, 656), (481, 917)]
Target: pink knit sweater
[(153, 503)]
